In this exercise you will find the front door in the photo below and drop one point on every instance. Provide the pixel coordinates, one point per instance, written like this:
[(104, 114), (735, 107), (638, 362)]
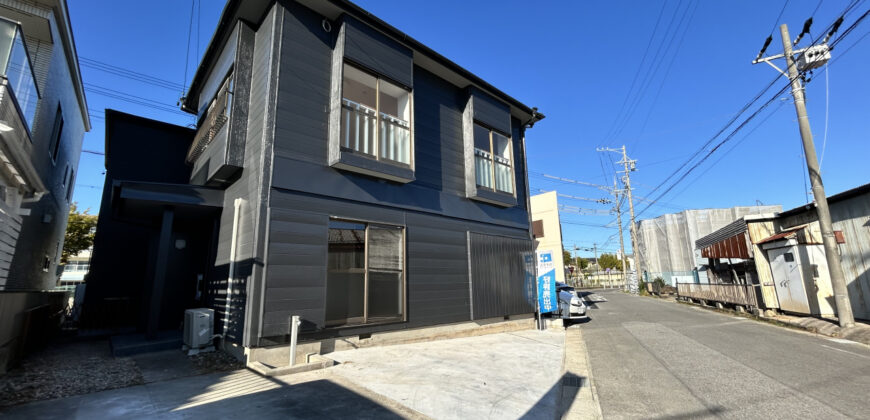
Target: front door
[(788, 280)]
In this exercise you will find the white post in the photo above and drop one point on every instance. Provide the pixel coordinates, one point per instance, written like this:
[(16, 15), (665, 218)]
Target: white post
[(294, 331)]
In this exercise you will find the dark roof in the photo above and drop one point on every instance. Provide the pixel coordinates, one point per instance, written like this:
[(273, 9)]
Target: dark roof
[(863, 189), (113, 116), (255, 10)]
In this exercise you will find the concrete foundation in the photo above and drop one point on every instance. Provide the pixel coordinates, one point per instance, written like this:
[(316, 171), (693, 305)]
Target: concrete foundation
[(278, 356)]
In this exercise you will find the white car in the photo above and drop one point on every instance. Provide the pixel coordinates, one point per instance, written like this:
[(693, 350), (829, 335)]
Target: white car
[(570, 305)]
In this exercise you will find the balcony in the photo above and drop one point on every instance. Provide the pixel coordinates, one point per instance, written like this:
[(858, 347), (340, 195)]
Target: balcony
[(17, 70), (19, 97), (358, 133), (216, 154), (374, 143)]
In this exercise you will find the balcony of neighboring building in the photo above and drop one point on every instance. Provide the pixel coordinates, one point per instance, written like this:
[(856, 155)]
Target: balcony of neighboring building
[(19, 96)]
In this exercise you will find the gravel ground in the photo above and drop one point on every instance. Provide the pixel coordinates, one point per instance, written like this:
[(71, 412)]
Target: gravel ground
[(84, 367), (216, 361), (66, 370)]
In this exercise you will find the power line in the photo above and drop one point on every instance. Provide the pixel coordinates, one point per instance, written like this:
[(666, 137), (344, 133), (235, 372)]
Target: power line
[(659, 57), (187, 54), (745, 122), (669, 41), (730, 122), (637, 72), (130, 74), (134, 99)]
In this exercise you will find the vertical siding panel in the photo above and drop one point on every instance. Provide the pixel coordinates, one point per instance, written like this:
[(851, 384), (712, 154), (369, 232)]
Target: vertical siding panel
[(498, 276)]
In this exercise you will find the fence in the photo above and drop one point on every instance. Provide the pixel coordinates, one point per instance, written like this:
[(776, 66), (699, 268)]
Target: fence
[(27, 321), (738, 294)]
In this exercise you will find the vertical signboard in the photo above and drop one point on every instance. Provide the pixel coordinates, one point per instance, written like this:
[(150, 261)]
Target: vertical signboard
[(547, 299)]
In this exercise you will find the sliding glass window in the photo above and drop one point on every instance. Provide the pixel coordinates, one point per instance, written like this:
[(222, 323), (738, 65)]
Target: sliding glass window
[(375, 117), (492, 160), (365, 277)]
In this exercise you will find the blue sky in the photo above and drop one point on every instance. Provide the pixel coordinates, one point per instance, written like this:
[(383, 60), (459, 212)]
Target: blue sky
[(576, 62)]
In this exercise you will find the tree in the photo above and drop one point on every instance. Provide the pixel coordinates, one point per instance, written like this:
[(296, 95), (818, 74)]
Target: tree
[(567, 258), (79, 233), (609, 261)]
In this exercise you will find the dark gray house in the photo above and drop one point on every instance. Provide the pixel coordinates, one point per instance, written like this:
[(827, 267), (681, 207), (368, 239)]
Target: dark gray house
[(367, 183)]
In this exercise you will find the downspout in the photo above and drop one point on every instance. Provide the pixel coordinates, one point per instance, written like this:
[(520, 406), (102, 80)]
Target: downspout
[(237, 206)]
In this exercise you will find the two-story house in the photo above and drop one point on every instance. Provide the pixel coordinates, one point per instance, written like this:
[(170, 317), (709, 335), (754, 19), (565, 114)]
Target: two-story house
[(43, 118), (365, 183)]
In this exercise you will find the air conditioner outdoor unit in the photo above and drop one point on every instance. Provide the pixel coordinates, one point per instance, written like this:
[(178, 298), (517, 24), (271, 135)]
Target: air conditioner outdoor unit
[(198, 329)]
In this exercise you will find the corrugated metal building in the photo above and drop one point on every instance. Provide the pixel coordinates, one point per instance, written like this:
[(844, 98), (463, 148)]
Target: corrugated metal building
[(761, 245), (667, 243)]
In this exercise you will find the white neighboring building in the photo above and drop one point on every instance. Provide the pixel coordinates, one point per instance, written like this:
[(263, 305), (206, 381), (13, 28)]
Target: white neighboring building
[(547, 230), (667, 243), (74, 270)]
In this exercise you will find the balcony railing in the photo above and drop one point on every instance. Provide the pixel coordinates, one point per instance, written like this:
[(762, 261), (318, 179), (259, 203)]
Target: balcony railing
[(215, 119), (738, 294), (361, 125), (17, 70), (500, 179), (483, 168)]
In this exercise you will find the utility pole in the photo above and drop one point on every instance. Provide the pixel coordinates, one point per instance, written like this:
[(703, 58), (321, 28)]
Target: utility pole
[(820, 54), (597, 267), (630, 166), (621, 242)]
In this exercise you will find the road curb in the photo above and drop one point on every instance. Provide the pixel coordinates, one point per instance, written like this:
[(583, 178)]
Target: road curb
[(578, 398)]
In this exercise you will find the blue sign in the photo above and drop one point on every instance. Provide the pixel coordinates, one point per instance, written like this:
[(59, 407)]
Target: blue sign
[(548, 301)]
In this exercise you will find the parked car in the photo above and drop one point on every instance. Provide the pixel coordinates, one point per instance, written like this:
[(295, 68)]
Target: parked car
[(571, 306)]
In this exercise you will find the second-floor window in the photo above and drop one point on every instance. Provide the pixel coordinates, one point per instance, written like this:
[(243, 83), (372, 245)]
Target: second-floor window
[(375, 117), (492, 160), (56, 134)]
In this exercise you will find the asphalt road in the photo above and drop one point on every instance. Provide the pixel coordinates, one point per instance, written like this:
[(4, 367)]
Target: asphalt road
[(652, 358)]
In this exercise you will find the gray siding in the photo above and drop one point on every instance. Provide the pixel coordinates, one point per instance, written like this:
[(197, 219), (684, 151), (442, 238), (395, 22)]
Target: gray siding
[(303, 99), (499, 282), (436, 270), (374, 50), (295, 278), (491, 111), (249, 188), (301, 133)]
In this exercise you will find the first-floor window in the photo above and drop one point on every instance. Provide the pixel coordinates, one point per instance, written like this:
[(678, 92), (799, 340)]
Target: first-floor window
[(365, 273), (492, 160)]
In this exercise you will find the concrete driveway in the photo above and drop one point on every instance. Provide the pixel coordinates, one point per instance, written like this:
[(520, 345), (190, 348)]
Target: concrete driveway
[(500, 376), (508, 375)]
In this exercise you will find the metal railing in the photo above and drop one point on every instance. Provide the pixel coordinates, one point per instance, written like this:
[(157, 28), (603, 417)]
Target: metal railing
[(483, 168), (18, 71), (499, 179), (361, 125), (738, 294), (215, 119)]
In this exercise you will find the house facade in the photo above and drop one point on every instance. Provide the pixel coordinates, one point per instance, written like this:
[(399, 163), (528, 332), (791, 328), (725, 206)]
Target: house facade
[(363, 182), (44, 118)]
